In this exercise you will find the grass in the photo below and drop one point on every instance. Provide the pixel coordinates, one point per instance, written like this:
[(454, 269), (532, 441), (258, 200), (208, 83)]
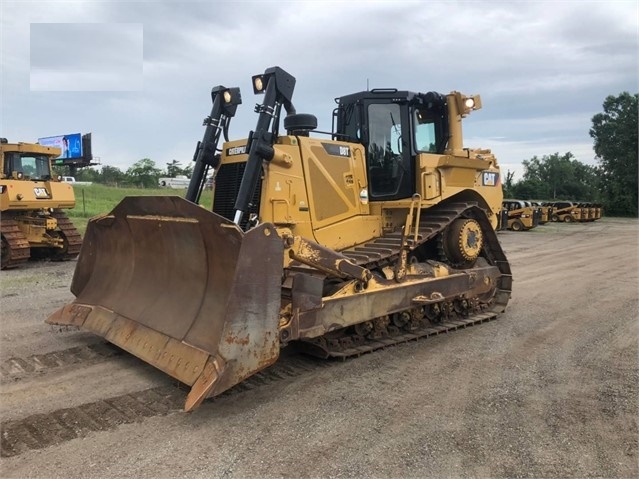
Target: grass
[(99, 199)]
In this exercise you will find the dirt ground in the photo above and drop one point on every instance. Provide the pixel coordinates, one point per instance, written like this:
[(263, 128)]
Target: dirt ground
[(547, 390)]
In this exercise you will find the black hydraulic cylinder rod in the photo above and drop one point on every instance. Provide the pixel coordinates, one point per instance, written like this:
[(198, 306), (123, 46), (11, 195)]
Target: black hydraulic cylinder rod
[(205, 151), (208, 143), (197, 177), (260, 149)]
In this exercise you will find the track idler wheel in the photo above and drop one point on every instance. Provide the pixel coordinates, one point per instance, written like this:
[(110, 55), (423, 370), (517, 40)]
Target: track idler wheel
[(463, 241)]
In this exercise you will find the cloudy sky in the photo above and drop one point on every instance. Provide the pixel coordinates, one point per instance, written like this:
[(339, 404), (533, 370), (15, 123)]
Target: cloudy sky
[(137, 74)]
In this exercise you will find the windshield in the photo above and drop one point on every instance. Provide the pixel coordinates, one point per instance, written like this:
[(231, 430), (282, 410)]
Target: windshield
[(34, 167)]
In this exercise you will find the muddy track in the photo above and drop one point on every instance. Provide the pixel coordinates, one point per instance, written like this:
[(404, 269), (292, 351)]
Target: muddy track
[(17, 368), (39, 431)]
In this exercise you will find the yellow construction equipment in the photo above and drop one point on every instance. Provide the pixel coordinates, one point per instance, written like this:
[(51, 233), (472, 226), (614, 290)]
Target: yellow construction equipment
[(565, 211), (522, 215), (32, 198), (545, 211), (340, 242)]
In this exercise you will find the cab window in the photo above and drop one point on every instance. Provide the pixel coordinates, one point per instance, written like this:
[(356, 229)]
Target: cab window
[(34, 167), (425, 136)]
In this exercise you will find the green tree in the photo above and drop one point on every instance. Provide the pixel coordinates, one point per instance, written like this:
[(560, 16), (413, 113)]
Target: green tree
[(188, 170), (508, 184), (173, 169), (112, 175), (557, 177), (88, 174), (144, 173), (616, 145)]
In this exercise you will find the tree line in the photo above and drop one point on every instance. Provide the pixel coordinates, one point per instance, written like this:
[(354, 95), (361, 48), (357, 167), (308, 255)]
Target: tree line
[(142, 174), (612, 182)]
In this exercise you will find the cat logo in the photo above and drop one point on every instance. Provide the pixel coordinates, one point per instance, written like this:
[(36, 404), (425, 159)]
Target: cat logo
[(489, 178), (41, 192)]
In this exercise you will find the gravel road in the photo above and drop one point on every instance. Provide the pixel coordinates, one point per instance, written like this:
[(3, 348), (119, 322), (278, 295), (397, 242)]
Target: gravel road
[(547, 390)]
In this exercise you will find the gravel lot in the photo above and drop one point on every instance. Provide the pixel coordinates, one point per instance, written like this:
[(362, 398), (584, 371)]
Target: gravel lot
[(547, 390)]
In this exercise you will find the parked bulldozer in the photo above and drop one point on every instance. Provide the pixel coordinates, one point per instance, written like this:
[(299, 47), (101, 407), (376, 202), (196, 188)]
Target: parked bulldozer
[(32, 223), (334, 243)]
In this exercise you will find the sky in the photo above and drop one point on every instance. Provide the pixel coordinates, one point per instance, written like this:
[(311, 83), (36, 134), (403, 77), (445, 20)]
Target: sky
[(137, 75)]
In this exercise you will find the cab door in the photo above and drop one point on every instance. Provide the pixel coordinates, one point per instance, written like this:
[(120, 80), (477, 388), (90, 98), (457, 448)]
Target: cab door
[(389, 163)]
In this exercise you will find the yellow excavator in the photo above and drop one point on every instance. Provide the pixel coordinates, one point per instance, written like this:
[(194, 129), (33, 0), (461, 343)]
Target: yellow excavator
[(342, 242), (32, 200)]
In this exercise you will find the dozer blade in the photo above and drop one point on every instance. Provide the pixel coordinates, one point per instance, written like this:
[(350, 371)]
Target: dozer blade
[(182, 288)]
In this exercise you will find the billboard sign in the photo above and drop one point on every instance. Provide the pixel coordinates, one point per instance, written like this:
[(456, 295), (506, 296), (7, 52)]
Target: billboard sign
[(71, 145)]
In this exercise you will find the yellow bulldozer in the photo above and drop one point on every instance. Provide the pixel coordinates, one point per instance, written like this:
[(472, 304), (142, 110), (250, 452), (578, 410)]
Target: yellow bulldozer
[(339, 243), (32, 223)]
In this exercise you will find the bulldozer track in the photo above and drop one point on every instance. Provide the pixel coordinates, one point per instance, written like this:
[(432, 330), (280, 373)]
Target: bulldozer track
[(385, 250), (362, 346), (71, 234), (17, 368), (39, 431), (15, 247)]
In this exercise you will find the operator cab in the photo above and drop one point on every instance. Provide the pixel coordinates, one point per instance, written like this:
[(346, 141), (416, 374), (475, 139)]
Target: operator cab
[(394, 126), (22, 164)]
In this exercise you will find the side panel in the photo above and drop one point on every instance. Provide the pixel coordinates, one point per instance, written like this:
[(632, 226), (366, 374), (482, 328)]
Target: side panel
[(444, 176), (32, 195), (284, 201), (315, 187), (338, 193)]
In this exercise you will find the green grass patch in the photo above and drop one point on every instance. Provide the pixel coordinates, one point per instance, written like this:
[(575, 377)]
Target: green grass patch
[(99, 199)]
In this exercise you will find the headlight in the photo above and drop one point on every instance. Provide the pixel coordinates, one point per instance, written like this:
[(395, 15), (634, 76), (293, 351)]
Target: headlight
[(20, 175), (469, 103), (258, 84), (227, 96)]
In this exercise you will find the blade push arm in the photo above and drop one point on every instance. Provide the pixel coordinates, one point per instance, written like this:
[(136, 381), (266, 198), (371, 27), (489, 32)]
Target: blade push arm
[(277, 86), (225, 101)]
